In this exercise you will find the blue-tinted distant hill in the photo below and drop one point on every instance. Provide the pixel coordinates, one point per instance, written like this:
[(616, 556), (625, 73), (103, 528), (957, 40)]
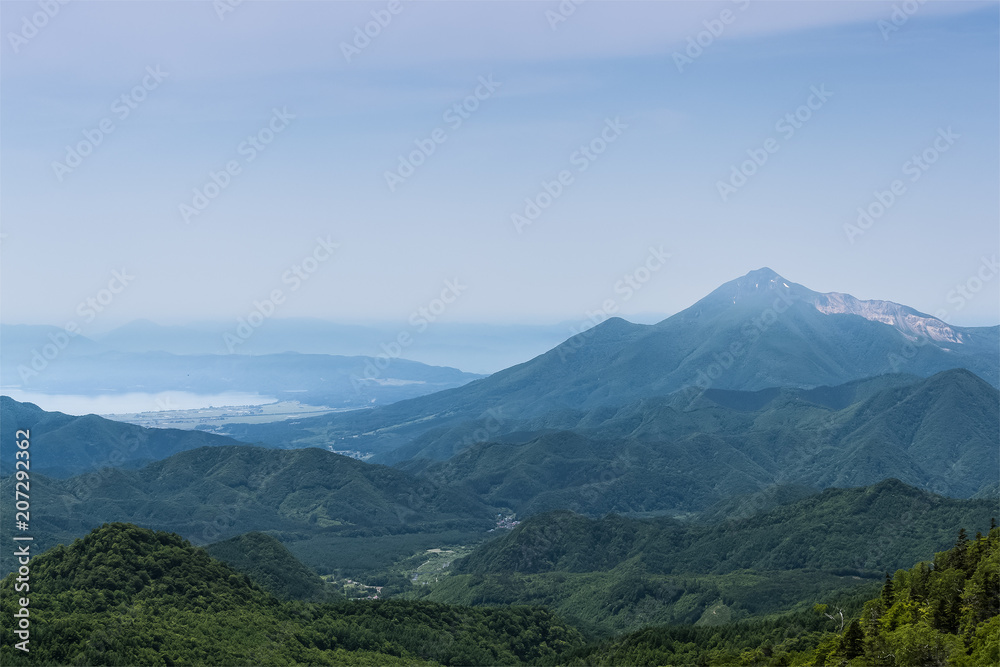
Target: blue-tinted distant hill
[(316, 379), (669, 456), (64, 445), (479, 348), (752, 333)]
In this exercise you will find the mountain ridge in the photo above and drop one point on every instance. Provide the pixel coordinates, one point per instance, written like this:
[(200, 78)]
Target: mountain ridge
[(772, 336)]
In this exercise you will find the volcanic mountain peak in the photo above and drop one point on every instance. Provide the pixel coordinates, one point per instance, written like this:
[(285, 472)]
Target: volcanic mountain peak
[(755, 288), (765, 283)]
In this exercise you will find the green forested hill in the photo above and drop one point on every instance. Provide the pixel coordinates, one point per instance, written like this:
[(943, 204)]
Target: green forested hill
[(619, 574), (942, 612), (269, 564), (874, 528), (303, 496), (124, 595), (65, 445)]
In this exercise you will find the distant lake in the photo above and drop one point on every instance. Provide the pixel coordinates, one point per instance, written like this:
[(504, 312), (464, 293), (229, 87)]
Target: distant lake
[(103, 404)]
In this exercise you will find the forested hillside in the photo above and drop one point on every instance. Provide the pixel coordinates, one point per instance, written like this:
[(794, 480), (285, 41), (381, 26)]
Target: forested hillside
[(215, 493), (876, 528), (619, 574), (939, 612), (269, 564), (125, 595), (681, 453)]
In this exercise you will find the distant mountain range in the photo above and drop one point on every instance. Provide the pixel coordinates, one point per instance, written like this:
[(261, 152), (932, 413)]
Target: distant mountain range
[(479, 348), (663, 455), (315, 379), (768, 446), (761, 383), (757, 332)]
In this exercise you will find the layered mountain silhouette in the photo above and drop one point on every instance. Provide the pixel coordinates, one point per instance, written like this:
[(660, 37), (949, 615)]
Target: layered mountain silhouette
[(669, 456), (657, 456), (214, 493), (756, 332), (64, 445)]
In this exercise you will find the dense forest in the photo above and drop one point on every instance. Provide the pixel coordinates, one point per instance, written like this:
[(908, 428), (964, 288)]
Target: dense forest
[(941, 612), (620, 574), (270, 565), (125, 595)]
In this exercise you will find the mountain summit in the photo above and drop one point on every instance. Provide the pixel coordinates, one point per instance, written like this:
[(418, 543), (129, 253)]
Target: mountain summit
[(756, 287), (752, 333), (761, 281)]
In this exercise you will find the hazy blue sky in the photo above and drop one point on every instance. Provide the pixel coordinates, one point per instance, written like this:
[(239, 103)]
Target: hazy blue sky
[(673, 130)]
